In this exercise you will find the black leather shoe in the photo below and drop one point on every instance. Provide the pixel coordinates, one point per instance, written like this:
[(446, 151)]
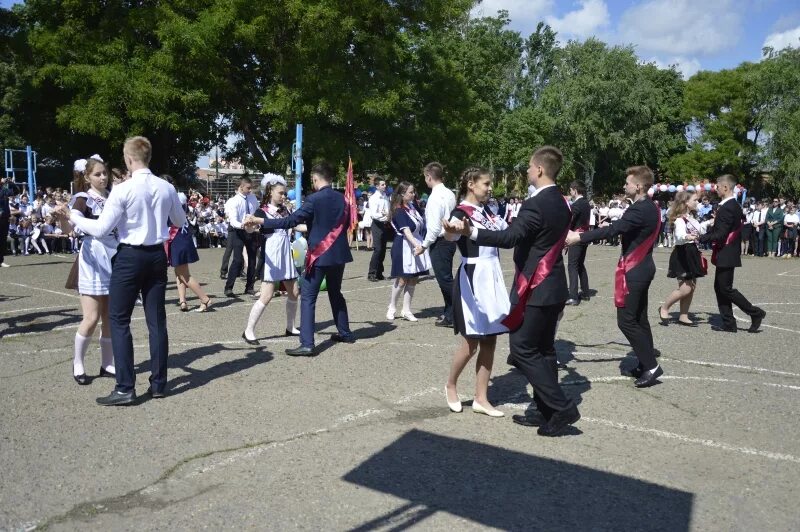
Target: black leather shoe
[(229, 293), (250, 292), (532, 419), (636, 372), (154, 394), (724, 329), (287, 332), (573, 302), (105, 373), (757, 321), (559, 422), (116, 398), (301, 352), (336, 337), (443, 323), (249, 341), (380, 277), (648, 378), (584, 297), (372, 279), (82, 379), (223, 276)]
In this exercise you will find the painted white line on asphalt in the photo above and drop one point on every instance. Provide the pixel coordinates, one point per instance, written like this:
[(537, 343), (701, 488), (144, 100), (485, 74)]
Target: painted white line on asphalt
[(787, 274), (747, 320), (697, 441), (42, 289), (22, 310)]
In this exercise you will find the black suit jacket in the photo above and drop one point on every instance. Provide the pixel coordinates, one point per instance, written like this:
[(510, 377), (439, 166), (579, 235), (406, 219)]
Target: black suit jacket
[(581, 212), (639, 222), (541, 222), (728, 218)]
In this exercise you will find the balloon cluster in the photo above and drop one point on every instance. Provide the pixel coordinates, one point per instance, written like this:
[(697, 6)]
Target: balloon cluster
[(707, 187)]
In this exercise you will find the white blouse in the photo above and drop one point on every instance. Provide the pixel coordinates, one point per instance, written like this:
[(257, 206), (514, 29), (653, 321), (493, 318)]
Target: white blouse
[(689, 226)]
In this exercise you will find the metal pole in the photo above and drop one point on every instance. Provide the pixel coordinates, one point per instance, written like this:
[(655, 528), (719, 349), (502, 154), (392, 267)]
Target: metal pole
[(31, 176), (298, 166)]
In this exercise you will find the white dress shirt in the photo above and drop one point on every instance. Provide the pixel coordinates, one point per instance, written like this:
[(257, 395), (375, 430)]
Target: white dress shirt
[(440, 204), (139, 209), (239, 206), (379, 206)]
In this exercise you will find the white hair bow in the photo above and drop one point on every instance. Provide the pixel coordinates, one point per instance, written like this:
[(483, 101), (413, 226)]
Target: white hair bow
[(79, 166), (270, 179), (97, 158)]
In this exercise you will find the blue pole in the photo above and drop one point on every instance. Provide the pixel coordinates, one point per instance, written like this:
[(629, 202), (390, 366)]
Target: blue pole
[(298, 166), (31, 177)]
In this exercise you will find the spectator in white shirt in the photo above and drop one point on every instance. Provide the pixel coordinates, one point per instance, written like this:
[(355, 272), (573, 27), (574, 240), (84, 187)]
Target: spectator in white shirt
[(441, 203), (139, 208), (790, 225), (378, 206)]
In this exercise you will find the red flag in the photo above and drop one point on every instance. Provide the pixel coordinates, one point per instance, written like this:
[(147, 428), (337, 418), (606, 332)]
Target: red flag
[(350, 196)]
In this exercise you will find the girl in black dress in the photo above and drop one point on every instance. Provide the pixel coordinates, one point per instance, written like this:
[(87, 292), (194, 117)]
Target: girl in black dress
[(686, 264)]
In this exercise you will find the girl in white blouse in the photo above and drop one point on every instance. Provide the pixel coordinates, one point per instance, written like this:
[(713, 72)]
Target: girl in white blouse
[(686, 264)]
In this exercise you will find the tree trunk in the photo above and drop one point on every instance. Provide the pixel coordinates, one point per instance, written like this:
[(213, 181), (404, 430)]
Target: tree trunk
[(252, 145), (588, 177)]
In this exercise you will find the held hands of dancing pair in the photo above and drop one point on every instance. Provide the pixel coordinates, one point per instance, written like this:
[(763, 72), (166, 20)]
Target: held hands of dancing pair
[(251, 222)]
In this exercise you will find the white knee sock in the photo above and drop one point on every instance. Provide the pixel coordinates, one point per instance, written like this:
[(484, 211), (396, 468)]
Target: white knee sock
[(408, 295), (106, 355), (255, 315), (291, 312), (396, 289), (81, 345)]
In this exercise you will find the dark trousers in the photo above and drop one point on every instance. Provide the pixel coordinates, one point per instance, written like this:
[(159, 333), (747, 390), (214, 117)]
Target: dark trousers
[(632, 321), (576, 259), (759, 242), (534, 354), (727, 296), (442, 252), (3, 236), (137, 271), (309, 291), (380, 237), (240, 241), (226, 257)]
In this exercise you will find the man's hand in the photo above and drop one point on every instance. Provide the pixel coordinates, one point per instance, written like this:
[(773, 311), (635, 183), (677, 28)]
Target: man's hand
[(456, 227), (573, 237), (61, 211)]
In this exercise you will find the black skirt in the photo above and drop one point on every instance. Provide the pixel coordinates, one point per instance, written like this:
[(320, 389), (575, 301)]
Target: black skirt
[(685, 262)]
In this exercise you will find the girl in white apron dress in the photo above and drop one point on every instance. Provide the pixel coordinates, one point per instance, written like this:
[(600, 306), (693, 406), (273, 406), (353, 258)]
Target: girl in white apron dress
[(278, 263), (480, 297), (94, 267)]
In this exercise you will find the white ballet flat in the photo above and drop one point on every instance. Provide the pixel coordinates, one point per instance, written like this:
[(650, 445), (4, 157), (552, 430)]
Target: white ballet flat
[(390, 314), (454, 406), (491, 412), (409, 316)]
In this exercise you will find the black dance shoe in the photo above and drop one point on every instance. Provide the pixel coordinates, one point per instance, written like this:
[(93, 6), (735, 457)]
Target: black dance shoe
[(531, 419), (287, 332), (336, 337), (573, 302), (757, 321), (301, 352), (249, 341), (724, 329), (116, 398), (82, 379), (649, 378), (444, 322), (154, 394), (106, 373), (559, 423)]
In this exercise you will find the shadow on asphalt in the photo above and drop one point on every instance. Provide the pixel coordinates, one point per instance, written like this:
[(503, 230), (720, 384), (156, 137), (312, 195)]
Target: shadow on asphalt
[(30, 322), (195, 378), (509, 490)]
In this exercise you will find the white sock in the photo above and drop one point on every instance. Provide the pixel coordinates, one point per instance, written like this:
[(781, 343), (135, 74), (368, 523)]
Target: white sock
[(81, 345), (291, 312), (654, 369), (255, 315), (396, 289), (408, 295), (107, 355)]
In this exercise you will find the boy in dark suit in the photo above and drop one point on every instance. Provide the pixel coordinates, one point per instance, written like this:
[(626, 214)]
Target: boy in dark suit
[(576, 256), (326, 215), (726, 240), (539, 291)]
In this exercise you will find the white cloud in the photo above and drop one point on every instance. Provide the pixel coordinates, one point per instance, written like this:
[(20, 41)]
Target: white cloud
[(583, 22), (524, 14), (682, 27), (784, 39), (688, 67)]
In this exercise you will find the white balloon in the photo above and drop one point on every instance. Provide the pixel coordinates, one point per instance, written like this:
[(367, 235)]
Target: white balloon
[(663, 188), (679, 188)]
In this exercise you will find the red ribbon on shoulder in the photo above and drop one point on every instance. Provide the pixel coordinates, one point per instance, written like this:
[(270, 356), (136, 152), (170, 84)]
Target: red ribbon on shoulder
[(172, 232), (732, 236), (629, 262), (326, 243)]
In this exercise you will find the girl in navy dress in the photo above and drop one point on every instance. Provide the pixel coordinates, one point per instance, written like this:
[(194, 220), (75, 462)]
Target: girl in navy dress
[(181, 252), (90, 187), (480, 297), (276, 246), (409, 227)]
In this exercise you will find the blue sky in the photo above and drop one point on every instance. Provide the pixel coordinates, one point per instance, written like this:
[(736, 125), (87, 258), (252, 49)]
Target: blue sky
[(694, 34)]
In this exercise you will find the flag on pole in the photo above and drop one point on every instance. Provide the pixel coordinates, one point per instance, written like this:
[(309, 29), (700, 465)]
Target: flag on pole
[(350, 196)]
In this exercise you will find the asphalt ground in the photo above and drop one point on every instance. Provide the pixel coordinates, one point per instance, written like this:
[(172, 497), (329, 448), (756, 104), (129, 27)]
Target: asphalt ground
[(360, 437)]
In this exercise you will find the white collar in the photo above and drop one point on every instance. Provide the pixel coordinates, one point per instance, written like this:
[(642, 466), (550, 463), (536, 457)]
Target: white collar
[(726, 200), (539, 189), (141, 172)]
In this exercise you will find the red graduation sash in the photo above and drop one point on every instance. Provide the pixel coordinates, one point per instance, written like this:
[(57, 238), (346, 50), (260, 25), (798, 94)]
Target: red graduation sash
[(732, 236), (326, 243), (629, 262)]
